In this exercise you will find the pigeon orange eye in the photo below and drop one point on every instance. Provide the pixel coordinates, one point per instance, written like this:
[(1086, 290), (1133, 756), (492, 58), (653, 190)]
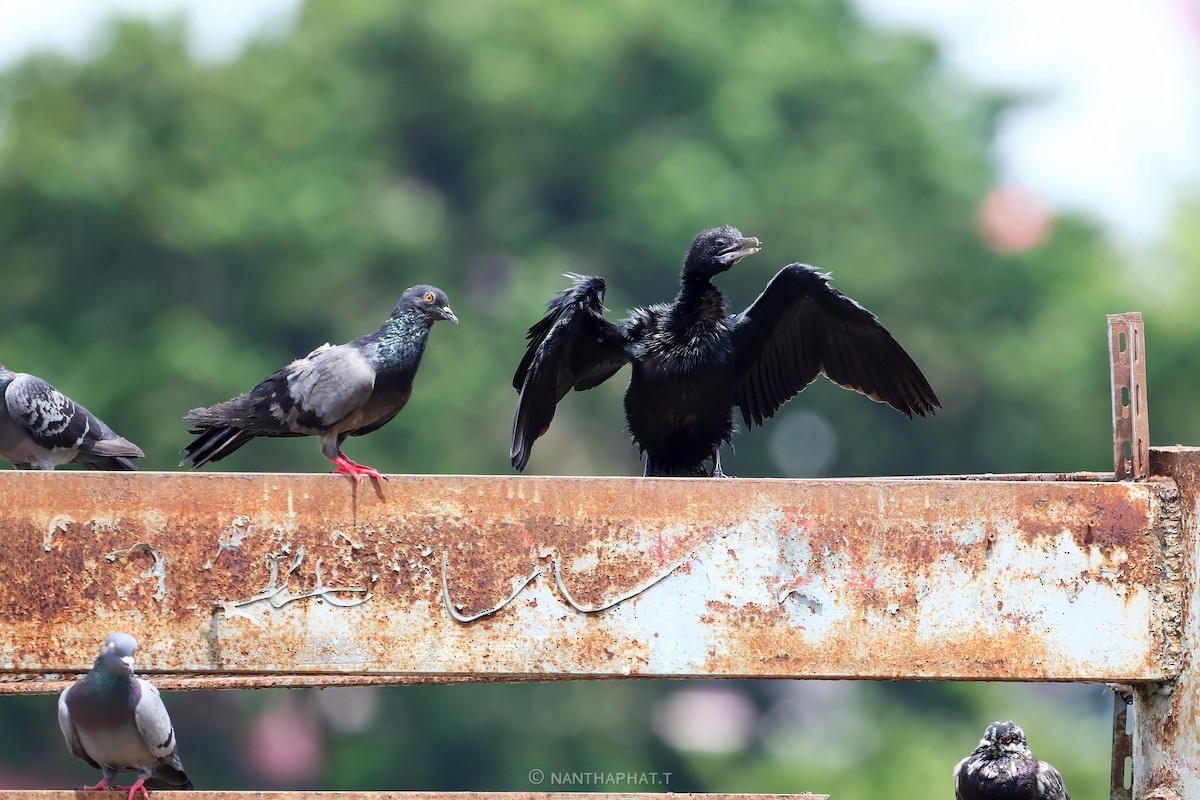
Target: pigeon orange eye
[(429, 297)]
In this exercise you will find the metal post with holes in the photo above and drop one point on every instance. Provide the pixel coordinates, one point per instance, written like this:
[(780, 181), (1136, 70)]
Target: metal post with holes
[(1121, 779), (1131, 424)]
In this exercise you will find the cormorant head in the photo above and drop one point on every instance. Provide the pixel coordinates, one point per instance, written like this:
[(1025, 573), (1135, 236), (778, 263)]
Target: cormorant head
[(717, 249), (428, 300), (1004, 738)]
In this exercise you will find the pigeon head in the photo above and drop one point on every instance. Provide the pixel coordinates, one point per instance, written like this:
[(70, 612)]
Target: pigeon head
[(6, 376), (427, 300), (116, 654), (1004, 738), (717, 249)]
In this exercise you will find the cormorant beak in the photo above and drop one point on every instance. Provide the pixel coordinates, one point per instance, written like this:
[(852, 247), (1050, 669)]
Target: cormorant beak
[(448, 314), (738, 250)]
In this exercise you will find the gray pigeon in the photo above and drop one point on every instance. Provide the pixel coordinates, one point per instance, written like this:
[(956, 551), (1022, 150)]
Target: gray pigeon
[(333, 392), (42, 427), (117, 722)]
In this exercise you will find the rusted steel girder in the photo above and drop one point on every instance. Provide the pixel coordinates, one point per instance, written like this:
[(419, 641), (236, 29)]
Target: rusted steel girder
[(298, 577)]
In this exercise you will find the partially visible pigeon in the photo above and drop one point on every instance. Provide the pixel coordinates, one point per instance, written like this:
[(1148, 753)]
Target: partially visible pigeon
[(42, 427), (1003, 768), (117, 723), (333, 392)]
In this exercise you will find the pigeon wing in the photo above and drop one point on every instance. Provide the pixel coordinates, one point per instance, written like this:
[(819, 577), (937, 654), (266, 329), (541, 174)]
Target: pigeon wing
[(326, 386), (69, 733), (572, 347), (1050, 783), (958, 773), (801, 326), (154, 725), (306, 397)]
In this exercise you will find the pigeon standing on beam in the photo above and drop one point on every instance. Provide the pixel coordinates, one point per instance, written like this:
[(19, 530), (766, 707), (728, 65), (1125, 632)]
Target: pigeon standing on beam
[(1003, 768), (693, 362), (117, 723), (42, 427), (333, 392)]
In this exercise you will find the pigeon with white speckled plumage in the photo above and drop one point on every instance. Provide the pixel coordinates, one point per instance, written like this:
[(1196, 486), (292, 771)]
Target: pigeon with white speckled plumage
[(40, 427)]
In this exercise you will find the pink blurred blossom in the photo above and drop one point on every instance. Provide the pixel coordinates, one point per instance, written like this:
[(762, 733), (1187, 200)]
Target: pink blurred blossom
[(285, 744), (1013, 220)]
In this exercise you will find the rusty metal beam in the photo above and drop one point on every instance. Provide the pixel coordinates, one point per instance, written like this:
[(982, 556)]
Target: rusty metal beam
[(291, 579), (313, 795), (1131, 419)]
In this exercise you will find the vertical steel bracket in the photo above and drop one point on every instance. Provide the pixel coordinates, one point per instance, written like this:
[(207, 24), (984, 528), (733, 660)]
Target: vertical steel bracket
[(1131, 425), (1121, 776)]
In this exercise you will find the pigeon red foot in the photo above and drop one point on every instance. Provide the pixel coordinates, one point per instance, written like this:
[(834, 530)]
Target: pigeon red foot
[(357, 471), (138, 786)]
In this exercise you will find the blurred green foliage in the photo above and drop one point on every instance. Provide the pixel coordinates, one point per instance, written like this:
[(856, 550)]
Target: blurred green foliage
[(172, 232)]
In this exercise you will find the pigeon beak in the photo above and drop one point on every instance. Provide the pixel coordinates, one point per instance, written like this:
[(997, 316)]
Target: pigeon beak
[(739, 250), (128, 662), (448, 314)]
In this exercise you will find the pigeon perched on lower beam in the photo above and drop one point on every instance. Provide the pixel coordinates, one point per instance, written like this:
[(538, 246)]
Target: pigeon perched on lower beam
[(333, 392), (1003, 768), (42, 427), (117, 723)]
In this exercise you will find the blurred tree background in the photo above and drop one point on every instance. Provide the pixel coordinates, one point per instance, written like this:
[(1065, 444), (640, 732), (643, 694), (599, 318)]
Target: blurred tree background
[(172, 232)]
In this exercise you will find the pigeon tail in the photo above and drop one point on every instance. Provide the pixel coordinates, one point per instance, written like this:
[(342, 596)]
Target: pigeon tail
[(102, 462), (213, 444), (113, 446), (168, 776)]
